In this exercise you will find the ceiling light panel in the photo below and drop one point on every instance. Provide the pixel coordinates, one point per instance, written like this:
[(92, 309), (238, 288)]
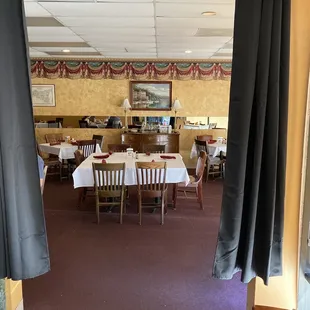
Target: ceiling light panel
[(108, 22), (194, 10), (99, 9), (33, 9)]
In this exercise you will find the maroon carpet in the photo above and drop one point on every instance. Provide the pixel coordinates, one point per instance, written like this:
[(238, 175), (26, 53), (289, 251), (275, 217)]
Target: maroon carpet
[(128, 267)]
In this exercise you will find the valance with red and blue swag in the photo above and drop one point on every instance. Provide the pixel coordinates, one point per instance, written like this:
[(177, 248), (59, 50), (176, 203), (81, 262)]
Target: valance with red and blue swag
[(130, 70)]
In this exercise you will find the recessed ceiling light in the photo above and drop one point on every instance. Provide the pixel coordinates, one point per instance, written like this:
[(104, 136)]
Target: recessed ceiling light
[(188, 52), (208, 13), (66, 51)]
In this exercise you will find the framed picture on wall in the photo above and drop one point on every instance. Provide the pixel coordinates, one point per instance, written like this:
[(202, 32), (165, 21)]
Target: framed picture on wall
[(152, 96), (43, 96)]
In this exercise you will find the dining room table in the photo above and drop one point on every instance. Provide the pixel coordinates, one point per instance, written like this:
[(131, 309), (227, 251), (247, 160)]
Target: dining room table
[(63, 150), (215, 149), (176, 170)]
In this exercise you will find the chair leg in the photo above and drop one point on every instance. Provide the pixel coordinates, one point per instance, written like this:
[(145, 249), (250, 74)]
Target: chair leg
[(166, 202), (121, 209), (140, 210), (97, 212), (162, 209), (80, 198), (200, 197), (175, 195)]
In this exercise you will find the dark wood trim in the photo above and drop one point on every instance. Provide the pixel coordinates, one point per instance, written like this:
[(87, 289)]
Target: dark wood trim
[(268, 308)]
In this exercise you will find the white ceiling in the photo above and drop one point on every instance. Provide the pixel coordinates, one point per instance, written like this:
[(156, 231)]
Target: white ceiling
[(134, 28)]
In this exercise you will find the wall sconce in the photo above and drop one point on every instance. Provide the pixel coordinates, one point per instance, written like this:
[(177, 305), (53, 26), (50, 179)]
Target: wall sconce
[(176, 107), (126, 106)]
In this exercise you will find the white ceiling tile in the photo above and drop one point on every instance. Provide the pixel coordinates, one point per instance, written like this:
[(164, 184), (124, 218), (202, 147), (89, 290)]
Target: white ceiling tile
[(197, 1), (55, 38), (176, 31), (49, 31), (125, 1), (60, 49), (221, 57), (194, 10), (99, 9), (216, 22), (184, 56), (129, 45), (131, 55), (89, 31), (108, 22), (193, 40), (38, 54), (123, 39), (33, 9)]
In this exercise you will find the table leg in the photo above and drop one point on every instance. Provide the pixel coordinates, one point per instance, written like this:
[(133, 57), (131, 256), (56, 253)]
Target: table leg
[(81, 191), (174, 196)]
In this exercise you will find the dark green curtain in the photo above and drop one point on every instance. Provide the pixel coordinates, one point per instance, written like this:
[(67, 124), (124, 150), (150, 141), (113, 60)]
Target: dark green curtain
[(23, 243), (251, 229)]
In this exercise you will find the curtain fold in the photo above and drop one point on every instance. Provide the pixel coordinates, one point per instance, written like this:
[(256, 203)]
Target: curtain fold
[(251, 228), (23, 243)]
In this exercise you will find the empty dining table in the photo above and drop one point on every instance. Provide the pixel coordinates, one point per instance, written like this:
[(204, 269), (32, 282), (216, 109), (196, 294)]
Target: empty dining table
[(63, 150), (176, 169)]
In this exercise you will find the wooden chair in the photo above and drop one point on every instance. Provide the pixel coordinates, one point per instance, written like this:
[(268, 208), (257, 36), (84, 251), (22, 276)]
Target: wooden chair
[(53, 137), (79, 158), (195, 184), (212, 162), (151, 179), (53, 164), (153, 148), (118, 147), (109, 183), (205, 137), (83, 124), (87, 146), (99, 140)]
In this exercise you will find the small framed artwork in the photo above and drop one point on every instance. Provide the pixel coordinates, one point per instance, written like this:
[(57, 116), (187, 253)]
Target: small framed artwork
[(43, 95), (152, 96)]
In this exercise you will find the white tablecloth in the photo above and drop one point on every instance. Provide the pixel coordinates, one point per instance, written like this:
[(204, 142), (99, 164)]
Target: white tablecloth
[(214, 149), (64, 150), (176, 170), (44, 125)]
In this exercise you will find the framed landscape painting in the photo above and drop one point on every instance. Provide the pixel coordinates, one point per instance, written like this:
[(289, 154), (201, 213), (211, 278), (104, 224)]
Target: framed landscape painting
[(43, 95), (152, 96)]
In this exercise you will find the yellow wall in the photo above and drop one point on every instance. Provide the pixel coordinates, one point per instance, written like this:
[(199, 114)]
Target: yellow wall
[(282, 291), (13, 294), (104, 97)]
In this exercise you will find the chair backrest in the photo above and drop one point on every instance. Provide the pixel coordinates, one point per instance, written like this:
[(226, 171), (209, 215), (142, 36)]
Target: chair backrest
[(59, 120), (205, 137), (53, 137), (87, 146), (200, 167), (109, 179), (118, 147), (44, 178), (83, 124), (154, 148), (52, 124), (79, 157), (151, 178), (201, 146), (99, 140)]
